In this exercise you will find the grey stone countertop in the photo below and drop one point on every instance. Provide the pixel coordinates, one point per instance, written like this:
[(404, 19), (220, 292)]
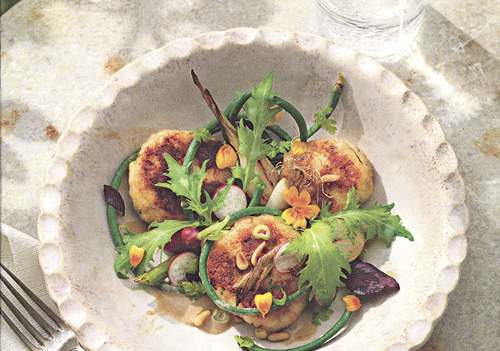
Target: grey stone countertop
[(56, 54)]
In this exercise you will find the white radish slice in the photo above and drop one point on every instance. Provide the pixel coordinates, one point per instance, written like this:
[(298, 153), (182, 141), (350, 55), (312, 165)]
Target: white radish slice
[(276, 199), (285, 263), (236, 200), (179, 266)]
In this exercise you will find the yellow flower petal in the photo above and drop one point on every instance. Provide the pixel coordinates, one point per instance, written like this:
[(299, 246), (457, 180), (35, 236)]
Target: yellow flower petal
[(226, 157), (135, 255), (304, 198), (291, 196), (289, 216), (263, 302), (298, 147), (310, 211), (352, 303)]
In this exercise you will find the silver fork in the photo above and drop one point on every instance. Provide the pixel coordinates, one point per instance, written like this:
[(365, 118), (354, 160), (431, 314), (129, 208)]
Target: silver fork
[(49, 332)]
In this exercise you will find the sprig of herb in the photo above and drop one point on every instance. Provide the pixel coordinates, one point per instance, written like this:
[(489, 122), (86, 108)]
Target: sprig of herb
[(193, 290), (204, 134), (244, 341), (321, 316), (321, 119), (279, 148)]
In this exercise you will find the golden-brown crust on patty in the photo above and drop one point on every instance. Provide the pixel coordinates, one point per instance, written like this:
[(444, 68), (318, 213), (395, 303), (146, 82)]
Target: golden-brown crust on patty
[(328, 169), (154, 203), (224, 274)]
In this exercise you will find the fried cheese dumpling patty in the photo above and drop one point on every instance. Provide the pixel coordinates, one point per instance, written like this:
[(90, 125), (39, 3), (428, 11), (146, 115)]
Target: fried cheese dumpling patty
[(154, 203), (224, 273), (328, 169)]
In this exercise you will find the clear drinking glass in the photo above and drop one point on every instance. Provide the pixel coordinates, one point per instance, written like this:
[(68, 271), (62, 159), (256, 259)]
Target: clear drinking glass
[(383, 29)]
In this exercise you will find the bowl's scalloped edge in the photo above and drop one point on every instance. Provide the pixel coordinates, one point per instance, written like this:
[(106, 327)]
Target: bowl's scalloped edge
[(52, 258)]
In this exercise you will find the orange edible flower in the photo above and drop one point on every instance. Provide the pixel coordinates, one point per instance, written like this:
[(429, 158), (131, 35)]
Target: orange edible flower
[(298, 147), (226, 157), (278, 116), (352, 303), (300, 210), (264, 302), (135, 255)]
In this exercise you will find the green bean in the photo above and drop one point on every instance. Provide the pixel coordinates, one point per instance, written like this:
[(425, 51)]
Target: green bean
[(296, 115), (334, 100), (317, 342), (275, 129), (257, 195), (111, 211), (239, 105), (279, 132)]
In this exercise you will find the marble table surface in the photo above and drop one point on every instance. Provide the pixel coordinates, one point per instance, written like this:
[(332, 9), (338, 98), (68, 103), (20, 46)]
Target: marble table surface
[(56, 54)]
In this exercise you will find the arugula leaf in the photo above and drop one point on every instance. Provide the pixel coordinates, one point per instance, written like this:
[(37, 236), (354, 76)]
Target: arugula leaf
[(193, 290), (244, 341), (261, 111), (184, 183), (321, 316), (150, 240), (325, 262), (375, 220), (322, 120)]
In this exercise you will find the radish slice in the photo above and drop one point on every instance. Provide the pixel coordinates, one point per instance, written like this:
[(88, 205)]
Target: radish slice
[(285, 263), (236, 200), (184, 240), (179, 266), (276, 199)]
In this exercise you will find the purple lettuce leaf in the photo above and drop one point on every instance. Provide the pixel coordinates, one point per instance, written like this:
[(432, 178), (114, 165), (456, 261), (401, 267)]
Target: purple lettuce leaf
[(114, 198), (366, 279)]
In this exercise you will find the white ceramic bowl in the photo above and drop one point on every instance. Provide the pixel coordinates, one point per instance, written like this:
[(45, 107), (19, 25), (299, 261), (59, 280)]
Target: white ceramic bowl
[(414, 167)]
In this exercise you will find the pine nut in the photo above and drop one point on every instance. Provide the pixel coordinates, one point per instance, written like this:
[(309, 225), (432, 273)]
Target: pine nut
[(279, 336), (201, 317), (260, 333), (241, 261), (257, 252)]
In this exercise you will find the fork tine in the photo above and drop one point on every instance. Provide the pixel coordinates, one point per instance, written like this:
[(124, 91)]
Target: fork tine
[(32, 330), (18, 332), (36, 316), (35, 298)]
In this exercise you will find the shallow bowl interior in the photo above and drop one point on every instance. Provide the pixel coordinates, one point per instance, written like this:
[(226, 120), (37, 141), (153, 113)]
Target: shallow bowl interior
[(415, 168)]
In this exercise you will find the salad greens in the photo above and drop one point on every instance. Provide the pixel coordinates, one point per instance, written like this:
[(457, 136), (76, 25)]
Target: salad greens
[(326, 264), (188, 184), (261, 112), (325, 267)]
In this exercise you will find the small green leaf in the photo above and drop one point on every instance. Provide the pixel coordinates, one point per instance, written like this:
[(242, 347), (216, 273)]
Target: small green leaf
[(193, 290), (203, 134), (321, 316), (321, 118), (244, 341)]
